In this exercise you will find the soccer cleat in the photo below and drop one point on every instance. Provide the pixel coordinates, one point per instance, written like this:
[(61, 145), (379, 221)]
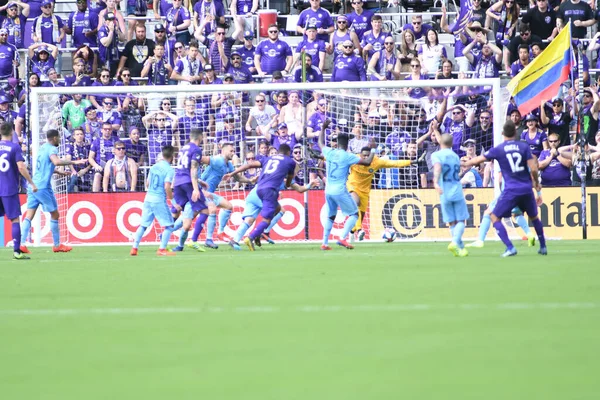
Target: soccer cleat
[(222, 237), (210, 244), (478, 244), (257, 242), (325, 247), (24, 249), (164, 252), (249, 243), (463, 252), (543, 251), (453, 248), (531, 240), (267, 238), (352, 237), (234, 245), (361, 235), (510, 252), (178, 248), (20, 256), (196, 246), (62, 248), (344, 243), (133, 251)]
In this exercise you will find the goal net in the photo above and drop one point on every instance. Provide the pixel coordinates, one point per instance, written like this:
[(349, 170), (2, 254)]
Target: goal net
[(104, 205)]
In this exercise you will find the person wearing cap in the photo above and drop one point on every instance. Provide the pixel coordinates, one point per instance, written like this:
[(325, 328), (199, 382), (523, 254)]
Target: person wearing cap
[(312, 47), (81, 175), (15, 21), (73, 111), (373, 40), (247, 51), (283, 135), (360, 19), (111, 8), (101, 151), (207, 14), (349, 66), (48, 28), (109, 35), (273, 54), (557, 119), (178, 22), (339, 36), (6, 114), (9, 56), (136, 52), (488, 62), (308, 74), (317, 16), (239, 70), (536, 138), (42, 57), (82, 25), (240, 11)]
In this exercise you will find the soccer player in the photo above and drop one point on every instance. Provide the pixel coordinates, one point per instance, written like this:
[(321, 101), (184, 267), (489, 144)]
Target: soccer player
[(155, 203), (360, 179), (187, 189), (338, 161), (519, 171), (47, 161), (446, 180), (12, 164), (274, 170)]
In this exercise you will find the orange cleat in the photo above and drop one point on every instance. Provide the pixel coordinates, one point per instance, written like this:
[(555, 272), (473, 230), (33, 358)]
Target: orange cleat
[(325, 247), (62, 248), (24, 249), (133, 251), (164, 252), (344, 243)]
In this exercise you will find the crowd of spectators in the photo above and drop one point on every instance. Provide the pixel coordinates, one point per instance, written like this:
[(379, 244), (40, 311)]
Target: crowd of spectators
[(210, 42)]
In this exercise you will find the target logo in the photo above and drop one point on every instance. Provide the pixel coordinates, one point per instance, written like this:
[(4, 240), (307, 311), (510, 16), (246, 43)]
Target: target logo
[(292, 223), (84, 220), (129, 217), (237, 216), (338, 223), (45, 222)]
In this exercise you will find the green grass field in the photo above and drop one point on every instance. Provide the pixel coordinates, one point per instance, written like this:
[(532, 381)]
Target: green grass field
[(384, 321)]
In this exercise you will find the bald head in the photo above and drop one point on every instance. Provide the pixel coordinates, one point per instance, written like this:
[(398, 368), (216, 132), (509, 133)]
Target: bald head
[(446, 141)]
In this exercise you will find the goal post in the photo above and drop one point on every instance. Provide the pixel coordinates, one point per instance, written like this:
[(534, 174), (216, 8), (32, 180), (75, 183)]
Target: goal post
[(222, 112)]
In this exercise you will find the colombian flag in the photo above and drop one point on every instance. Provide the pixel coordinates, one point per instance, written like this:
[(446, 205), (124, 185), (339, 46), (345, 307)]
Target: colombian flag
[(541, 79)]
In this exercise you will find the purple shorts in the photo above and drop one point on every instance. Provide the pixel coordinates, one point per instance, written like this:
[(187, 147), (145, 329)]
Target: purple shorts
[(507, 201), (182, 195), (10, 206), (269, 197)]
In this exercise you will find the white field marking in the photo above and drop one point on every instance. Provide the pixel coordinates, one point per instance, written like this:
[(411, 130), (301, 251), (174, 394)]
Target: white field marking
[(302, 309)]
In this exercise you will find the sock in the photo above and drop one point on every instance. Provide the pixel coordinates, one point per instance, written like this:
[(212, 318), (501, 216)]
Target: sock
[(223, 219), (210, 226), (198, 227), (137, 238), (16, 236), (178, 224), (539, 229), (501, 230), (183, 237), (166, 235), (459, 229), (327, 230), (55, 232), (274, 221), (486, 221), (241, 230), (522, 222), (260, 228), (25, 228), (350, 222)]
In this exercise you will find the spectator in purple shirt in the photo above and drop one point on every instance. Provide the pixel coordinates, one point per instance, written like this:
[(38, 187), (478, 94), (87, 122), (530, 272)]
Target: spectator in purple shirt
[(536, 138), (273, 54), (522, 62), (138, 152), (417, 26), (312, 46), (349, 66), (156, 68), (81, 175), (556, 169), (317, 16), (207, 14), (100, 152), (373, 40), (109, 35), (48, 28), (78, 78), (359, 20), (83, 26), (178, 22), (230, 134), (42, 57), (104, 80), (9, 56), (14, 22)]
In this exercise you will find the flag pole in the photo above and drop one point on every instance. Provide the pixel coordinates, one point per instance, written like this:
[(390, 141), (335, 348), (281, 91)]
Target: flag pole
[(580, 139)]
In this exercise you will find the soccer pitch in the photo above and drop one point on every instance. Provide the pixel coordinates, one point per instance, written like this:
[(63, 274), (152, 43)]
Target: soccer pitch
[(383, 321)]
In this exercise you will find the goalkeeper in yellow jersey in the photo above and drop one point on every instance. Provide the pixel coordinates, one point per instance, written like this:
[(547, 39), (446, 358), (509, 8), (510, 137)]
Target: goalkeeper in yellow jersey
[(359, 183)]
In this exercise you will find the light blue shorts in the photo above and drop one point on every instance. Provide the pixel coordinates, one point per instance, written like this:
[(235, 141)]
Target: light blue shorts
[(253, 205), (216, 200), (158, 210), (454, 211), (43, 197), (344, 201)]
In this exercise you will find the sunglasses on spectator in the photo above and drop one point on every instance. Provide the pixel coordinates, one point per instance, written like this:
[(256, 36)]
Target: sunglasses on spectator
[(417, 23), (220, 33), (557, 105), (250, 158), (104, 76), (415, 65), (160, 119), (349, 47), (47, 6), (390, 43), (260, 101), (297, 152), (125, 75), (484, 118), (236, 58), (357, 2), (342, 22), (456, 112), (178, 47), (273, 31), (108, 103), (119, 148)]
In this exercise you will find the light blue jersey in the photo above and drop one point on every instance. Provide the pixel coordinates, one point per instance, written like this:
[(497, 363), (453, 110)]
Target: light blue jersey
[(215, 171), (338, 168), (160, 173), (44, 167), (450, 176)]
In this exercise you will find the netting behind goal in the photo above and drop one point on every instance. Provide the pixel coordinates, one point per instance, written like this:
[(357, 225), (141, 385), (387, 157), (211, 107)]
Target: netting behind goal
[(389, 116)]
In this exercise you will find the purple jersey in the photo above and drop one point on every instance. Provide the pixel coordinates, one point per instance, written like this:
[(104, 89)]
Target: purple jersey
[(49, 28), (555, 174), (187, 123), (274, 170), (247, 55), (81, 23), (320, 19), (349, 68), (103, 150), (135, 151), (421, 33), (188, 153), (313, 49), (10, 155), (536, 144), (512, 156), (459, 131), (273, 55), (157, 138), (360, 23), (375, 41), (78, 152), (16, 30)]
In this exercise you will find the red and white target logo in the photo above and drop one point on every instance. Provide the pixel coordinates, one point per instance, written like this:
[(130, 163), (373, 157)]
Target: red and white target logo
[(45, 222), (292, 223), (236, 217), (84, 220), (338, 223), (129, 217)]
